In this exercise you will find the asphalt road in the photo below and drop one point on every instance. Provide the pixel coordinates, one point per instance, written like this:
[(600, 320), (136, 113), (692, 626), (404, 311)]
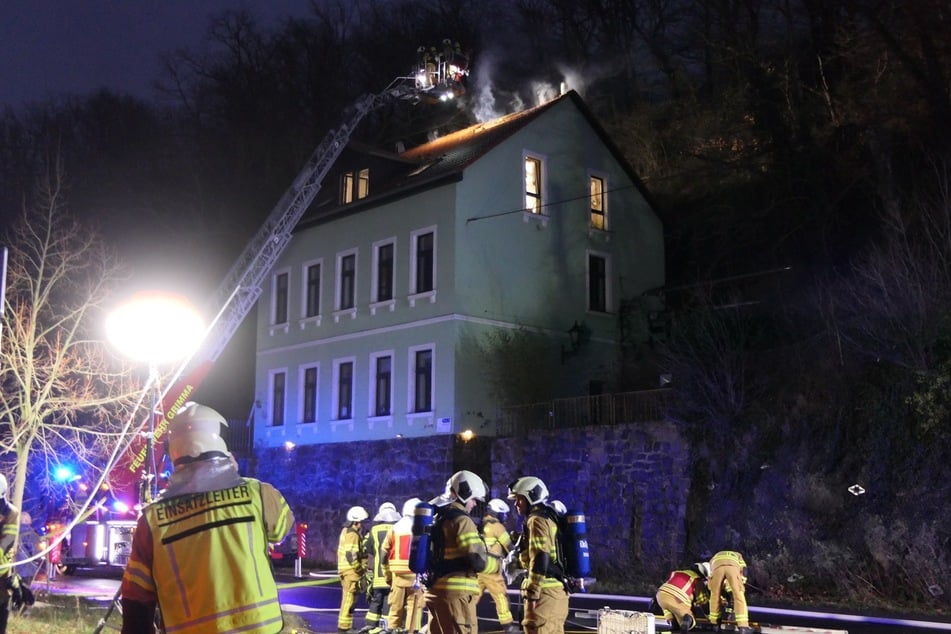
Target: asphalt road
[(315, 597)]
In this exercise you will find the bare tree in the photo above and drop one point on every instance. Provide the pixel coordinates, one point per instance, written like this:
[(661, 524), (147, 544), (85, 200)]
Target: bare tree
[(62, 393)]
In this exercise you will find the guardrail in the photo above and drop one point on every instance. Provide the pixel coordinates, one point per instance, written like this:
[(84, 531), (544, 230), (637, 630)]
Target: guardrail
[(581, 411)]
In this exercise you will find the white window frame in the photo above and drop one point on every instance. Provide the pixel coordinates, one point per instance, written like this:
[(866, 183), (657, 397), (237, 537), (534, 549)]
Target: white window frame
[(302, 399), (305, 273), (271, 376), (414, 294), (335, 398), (608, 285), (538, 207), (411, 382), (338, 285), (274, 325), (371, 404), (375, 303), (592, 174)]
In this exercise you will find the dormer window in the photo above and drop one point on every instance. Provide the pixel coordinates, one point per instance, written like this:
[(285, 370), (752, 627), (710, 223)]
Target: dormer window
[(354, 185)]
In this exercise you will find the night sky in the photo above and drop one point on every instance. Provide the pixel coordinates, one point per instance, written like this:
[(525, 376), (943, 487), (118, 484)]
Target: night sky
[(49, 48)]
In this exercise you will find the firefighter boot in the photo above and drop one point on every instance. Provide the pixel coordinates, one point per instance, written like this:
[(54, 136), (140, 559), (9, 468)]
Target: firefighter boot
[(687, 623), (512, 628)]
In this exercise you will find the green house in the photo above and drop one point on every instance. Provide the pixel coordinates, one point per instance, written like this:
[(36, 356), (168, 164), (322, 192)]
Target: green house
[(425, 289)]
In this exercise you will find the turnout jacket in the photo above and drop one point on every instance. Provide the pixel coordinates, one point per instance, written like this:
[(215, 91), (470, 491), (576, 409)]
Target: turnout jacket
[(202, 557)]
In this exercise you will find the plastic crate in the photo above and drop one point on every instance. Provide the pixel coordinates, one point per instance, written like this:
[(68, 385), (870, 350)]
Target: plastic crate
[(624, 622)]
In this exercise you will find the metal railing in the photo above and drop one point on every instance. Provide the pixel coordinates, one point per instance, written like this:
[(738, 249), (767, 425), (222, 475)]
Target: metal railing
[(581, 411)]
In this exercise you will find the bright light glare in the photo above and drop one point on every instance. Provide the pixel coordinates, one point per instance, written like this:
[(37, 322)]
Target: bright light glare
[(120, 507), (63, 474), (155, 328)]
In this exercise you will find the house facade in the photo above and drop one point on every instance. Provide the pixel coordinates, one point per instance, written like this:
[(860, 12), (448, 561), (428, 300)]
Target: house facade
[(382, 318)]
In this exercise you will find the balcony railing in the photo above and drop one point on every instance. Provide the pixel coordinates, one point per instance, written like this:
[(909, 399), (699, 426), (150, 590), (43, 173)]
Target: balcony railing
[(602, 409)]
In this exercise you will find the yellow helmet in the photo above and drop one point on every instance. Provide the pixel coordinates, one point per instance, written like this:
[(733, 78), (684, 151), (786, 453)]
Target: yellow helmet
[(195, 430)]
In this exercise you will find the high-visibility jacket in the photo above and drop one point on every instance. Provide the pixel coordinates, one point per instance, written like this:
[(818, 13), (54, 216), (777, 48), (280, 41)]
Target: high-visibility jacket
[(350, 552), (9, 530), (373, 546), (396, 547), (462, 545), (498, 542), (541, 538), (204, 556), (686, 586)]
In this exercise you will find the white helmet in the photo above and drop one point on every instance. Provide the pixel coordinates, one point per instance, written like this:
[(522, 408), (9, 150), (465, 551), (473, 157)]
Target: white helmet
[(409, 506), (3, 486), (498, 506), (195, 429), (559, 507), (703, 567), (531, 487), (386, 513), (465, 485), (357, 514)]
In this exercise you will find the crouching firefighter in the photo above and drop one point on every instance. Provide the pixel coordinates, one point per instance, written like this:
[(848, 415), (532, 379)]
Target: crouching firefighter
[(199, 552), (544, 591), (456, 554)]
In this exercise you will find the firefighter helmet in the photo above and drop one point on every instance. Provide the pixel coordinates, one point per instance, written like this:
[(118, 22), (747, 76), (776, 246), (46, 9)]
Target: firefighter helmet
[(195, 430), (703, 567), (3, 486), (532, 488), (357, 514), (409, 506), (559, 507), (465, 485), (386, 513), (498, 506)]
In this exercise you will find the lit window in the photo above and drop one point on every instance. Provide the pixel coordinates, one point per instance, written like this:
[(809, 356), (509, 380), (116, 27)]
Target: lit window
[(384, 271), (383, 385), (597, 283), (354, 186), (309, 391), (278, 389), (423, 380), (346, 281), (344, 372), (597, 203), (312, 290), (533, 184), (281, 281)]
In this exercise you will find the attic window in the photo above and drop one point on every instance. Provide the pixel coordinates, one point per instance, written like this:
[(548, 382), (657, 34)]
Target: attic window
[(354, 185), (533, 184)]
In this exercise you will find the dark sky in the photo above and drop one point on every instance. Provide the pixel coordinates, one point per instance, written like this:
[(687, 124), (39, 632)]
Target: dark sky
[(52, 47)]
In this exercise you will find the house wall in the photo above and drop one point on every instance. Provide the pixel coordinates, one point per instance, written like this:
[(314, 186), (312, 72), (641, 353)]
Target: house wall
[(631, 480)]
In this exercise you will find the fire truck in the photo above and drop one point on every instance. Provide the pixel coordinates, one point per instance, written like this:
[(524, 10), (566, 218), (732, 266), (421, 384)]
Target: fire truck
[(437, 77)]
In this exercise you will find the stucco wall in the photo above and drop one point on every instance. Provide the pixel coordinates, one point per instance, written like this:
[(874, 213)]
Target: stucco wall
[(631, 480)]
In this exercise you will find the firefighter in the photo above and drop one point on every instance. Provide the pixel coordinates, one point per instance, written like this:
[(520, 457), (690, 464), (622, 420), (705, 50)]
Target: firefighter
[(351, 564), (727, 567), (453, 591), (683, 590), (498, 543), (9, 530), (373, 547), (199, 552), (545, 598), (406, 594)]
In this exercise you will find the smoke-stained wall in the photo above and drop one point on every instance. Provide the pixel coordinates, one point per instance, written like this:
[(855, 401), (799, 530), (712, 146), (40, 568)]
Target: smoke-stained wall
[(631, 480)]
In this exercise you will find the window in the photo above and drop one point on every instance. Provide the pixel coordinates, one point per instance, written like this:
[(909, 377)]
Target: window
[(278, 389), (424, 261), (383, 272), (382, 385), (309, 395), (423, 380), (354, 185), (344, 372), (312, 290), (533, 184), (597, 203), (597, 283), (346, 280), (281, 281)]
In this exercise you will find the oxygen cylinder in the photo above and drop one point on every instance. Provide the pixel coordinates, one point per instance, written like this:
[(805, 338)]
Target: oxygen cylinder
[(578, 559), (422, 529)]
